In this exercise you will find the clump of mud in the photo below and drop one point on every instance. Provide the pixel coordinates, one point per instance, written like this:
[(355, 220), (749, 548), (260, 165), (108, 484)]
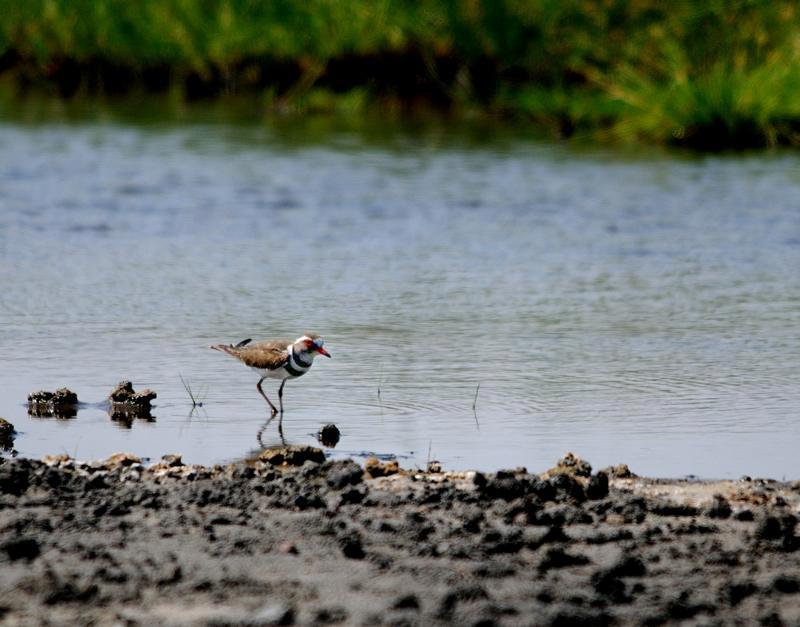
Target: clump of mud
[(127, 404), (63, 403), (6, 435), (294, 539), (320, 541), (571, 464), (375, 468), (292, 455), (620, 471), (328, 435)]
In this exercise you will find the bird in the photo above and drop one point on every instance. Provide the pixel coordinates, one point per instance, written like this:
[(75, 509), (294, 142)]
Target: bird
[(277, 359)]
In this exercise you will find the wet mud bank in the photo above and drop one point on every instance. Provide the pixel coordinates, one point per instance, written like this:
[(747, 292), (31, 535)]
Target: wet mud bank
[(292, 539)]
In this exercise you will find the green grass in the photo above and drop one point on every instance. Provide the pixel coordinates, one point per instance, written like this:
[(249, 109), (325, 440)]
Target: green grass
[(710, 75)]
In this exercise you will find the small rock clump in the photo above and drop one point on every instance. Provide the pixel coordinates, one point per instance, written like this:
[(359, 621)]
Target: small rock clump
[(6, 435), (571, 464), (62, 403), (126, 404), (620, 471), (6, 428), (124, 393), (328, 435), (374, 468)]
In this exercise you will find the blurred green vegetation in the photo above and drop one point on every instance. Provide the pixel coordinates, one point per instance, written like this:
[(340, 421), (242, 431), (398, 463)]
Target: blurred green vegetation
[(713, 75)]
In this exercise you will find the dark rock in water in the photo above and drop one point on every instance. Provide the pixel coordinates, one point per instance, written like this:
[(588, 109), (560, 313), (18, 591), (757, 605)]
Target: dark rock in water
[(126, 404), (328, 435), (62, 403), (6, 428), (40, 396), (374, 468), (292, 455), (620, 471), (124, 393), (6, 435), (63, 397)]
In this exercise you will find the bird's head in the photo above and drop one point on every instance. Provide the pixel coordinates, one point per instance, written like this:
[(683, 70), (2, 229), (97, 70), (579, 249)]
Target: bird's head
[(311, 345)]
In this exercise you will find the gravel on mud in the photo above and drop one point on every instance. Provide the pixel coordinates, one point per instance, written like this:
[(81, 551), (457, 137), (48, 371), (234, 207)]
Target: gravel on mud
[(289, 538)]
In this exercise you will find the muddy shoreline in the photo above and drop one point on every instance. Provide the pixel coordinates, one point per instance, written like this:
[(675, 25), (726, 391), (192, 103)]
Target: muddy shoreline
[(292, 539)]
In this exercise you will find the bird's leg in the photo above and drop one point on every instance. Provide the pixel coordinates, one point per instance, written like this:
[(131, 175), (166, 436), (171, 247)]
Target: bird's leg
[(280, 395), (258, 385)]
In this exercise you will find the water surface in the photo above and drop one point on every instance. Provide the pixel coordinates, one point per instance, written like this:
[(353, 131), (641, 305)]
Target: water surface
[(631, 308)]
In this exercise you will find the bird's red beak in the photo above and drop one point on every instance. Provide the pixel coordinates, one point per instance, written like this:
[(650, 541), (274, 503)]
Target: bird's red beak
[(322, 351)]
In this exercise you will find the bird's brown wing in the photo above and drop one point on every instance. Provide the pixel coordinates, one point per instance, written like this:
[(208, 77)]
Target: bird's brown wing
[(266, 355)]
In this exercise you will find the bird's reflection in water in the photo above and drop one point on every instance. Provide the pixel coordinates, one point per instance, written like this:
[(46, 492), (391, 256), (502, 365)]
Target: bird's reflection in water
[(263, 428), (328, 435)]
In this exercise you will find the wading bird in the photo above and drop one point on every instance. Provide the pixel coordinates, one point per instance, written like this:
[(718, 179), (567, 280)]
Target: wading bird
[(277, 359)]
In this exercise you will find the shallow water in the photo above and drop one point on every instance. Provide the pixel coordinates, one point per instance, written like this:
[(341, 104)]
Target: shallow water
[(631, 308)]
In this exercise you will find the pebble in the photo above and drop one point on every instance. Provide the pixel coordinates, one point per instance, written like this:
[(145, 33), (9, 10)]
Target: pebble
[(328, 435), (288, 548), (272, 613)]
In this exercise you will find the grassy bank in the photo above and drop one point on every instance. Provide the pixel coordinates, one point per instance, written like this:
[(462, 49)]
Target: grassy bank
[(713, 75)]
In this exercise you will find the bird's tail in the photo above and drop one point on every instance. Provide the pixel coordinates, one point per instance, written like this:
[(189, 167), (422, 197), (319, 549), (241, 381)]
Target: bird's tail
[(230, 348)]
